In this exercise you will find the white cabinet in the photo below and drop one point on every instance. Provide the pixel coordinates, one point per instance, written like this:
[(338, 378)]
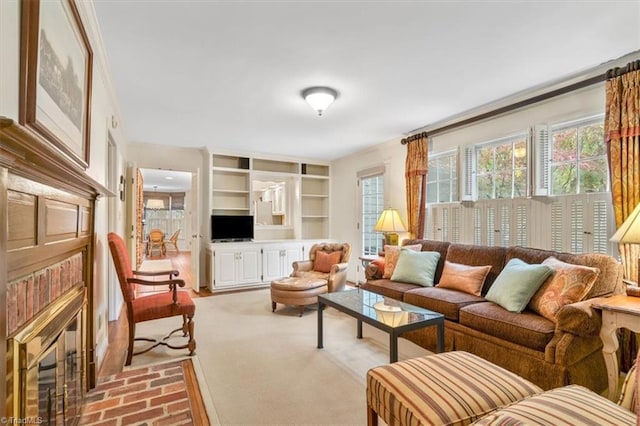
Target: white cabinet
[(278, 258), (236, 265), (252, 264)]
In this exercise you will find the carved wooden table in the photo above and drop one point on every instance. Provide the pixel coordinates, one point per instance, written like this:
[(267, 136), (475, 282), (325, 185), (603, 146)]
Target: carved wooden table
[(617, 312)]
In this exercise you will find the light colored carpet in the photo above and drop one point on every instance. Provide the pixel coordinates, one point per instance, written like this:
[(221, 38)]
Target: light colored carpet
[(264, 368)]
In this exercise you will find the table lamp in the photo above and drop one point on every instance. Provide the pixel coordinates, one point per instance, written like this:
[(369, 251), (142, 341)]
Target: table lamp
[(390, 223), (629, 232)]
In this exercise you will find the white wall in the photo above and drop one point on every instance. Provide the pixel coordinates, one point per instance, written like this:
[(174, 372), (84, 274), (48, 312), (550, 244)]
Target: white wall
[(345, 206), (103, 108)]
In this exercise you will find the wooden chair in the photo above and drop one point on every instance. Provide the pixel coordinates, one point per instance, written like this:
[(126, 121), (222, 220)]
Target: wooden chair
[(156, 242), (156, 306), (173, 241)]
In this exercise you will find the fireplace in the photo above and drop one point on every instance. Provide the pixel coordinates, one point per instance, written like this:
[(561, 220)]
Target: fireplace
[(47, 363)]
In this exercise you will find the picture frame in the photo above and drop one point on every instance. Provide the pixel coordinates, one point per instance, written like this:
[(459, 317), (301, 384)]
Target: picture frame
[(56, 64)]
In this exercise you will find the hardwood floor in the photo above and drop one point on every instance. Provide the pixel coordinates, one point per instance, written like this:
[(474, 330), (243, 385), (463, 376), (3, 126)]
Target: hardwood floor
[(118, 330)]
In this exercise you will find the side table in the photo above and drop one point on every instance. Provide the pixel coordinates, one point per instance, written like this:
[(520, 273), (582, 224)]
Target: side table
[(620, 311)]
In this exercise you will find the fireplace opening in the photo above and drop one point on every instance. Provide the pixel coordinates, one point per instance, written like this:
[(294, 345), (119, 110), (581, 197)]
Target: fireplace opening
[(48, 364)]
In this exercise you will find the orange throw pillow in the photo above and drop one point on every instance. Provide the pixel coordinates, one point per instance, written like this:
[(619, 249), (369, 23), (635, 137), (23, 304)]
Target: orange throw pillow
[(464, 278), (324, 261), (568, 284), (391, 255)]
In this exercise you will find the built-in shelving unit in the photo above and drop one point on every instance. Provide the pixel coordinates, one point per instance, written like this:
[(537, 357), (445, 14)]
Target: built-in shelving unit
[(314, 193), (308, 214), (230, 185)]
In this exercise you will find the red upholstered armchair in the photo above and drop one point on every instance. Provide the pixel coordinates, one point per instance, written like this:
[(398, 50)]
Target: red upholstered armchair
[(156, 306)]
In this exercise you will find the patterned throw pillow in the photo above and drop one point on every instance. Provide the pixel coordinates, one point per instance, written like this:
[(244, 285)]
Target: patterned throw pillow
[(464, 278), (391, 254), (324, 261), (569, 284)]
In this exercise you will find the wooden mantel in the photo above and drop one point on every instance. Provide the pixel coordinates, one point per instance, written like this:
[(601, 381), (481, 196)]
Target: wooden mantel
[(47, 205)]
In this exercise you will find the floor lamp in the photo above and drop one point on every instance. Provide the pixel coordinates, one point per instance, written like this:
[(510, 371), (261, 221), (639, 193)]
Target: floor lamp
[(390, 223), (629, 233)]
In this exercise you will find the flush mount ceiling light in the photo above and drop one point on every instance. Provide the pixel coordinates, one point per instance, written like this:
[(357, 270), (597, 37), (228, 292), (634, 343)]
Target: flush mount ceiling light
[(319, 97)]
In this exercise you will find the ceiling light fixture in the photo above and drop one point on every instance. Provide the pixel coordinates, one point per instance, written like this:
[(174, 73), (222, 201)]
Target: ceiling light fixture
[(319, 97)]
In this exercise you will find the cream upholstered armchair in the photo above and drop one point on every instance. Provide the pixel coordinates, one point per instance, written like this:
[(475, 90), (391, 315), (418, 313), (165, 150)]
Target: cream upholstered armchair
[(328, 261)]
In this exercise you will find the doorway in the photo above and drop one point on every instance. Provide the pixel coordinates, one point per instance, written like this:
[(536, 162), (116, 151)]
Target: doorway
[(166, 228)]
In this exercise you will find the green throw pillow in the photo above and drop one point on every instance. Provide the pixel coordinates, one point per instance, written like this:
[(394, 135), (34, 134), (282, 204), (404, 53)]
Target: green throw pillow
[(516, 284), (416, 267)]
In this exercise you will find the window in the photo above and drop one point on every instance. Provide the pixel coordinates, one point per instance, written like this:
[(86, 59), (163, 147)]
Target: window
[(372, 189), (578, 160), (442, 179), (501, 168), (169, 218)]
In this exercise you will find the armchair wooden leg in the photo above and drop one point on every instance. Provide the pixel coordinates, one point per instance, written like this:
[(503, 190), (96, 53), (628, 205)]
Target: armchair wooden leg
[(132, 336), (192, 341), (273, 306), (185, 326)]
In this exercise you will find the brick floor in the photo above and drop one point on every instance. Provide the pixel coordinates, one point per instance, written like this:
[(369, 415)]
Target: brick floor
[(155, 396)]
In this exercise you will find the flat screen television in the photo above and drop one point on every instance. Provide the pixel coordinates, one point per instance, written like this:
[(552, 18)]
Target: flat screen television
[(231, 227)]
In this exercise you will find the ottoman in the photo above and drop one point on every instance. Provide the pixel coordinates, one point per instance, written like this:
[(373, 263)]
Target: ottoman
[(451, 388), (297, 291)]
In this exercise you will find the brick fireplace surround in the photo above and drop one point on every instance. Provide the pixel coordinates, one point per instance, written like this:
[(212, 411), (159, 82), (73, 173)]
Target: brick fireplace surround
[(47, 204)]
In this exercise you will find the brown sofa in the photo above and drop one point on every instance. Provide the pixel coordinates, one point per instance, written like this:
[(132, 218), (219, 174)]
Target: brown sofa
[(546, 353)]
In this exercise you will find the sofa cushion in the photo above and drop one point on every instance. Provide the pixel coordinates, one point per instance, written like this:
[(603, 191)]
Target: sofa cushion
[(416, 267), (447, 302), (464, 278), (391, 256), (568, 284), (526, 329), (452, 388), (474, 255), (566, 406), (389, 288), (517, 283), (441, 247)]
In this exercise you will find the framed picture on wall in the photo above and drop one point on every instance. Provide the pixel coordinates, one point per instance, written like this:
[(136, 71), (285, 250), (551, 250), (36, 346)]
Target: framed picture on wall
[(55, 76)]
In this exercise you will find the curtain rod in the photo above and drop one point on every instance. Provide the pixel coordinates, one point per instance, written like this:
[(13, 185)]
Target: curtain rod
[(618, 71), (414, 138), (519, 104), (581, 80)]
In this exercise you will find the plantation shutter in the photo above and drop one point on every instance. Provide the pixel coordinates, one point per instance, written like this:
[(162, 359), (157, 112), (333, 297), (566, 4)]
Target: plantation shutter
[(444, 236), (505, 225), (541, 155), (429, 223), (557, 208), (491, 226), (577, 226), (455, 224), (477, 226), (600, 223), (522, 225), (468, 166)]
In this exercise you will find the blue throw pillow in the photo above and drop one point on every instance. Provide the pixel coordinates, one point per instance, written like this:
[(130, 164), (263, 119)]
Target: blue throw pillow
[(416, 267), (516, 284)]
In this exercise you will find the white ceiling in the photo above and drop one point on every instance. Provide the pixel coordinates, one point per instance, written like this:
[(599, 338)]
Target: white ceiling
[(165, 180), (228, 74)]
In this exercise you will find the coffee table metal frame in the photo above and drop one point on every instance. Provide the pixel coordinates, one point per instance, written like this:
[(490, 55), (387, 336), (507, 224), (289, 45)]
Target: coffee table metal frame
[(347, 302)]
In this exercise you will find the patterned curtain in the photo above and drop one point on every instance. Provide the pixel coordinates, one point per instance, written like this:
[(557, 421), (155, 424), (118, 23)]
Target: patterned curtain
[(416, 182), (622, 138)]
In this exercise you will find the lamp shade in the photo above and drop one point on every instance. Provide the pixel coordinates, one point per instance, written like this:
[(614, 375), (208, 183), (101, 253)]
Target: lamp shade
[(390, 221), (319, 97), (629, 231)]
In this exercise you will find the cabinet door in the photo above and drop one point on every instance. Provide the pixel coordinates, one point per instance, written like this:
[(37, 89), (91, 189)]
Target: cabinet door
[(272, 263), (291, 254), (224, 267), (249, 266)]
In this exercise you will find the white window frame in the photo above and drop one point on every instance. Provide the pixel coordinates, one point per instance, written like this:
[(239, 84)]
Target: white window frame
[(368, 237), (454, 177)]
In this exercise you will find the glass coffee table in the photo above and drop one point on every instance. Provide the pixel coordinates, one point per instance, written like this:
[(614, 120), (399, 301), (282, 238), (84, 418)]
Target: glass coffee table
[(383, 313)]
